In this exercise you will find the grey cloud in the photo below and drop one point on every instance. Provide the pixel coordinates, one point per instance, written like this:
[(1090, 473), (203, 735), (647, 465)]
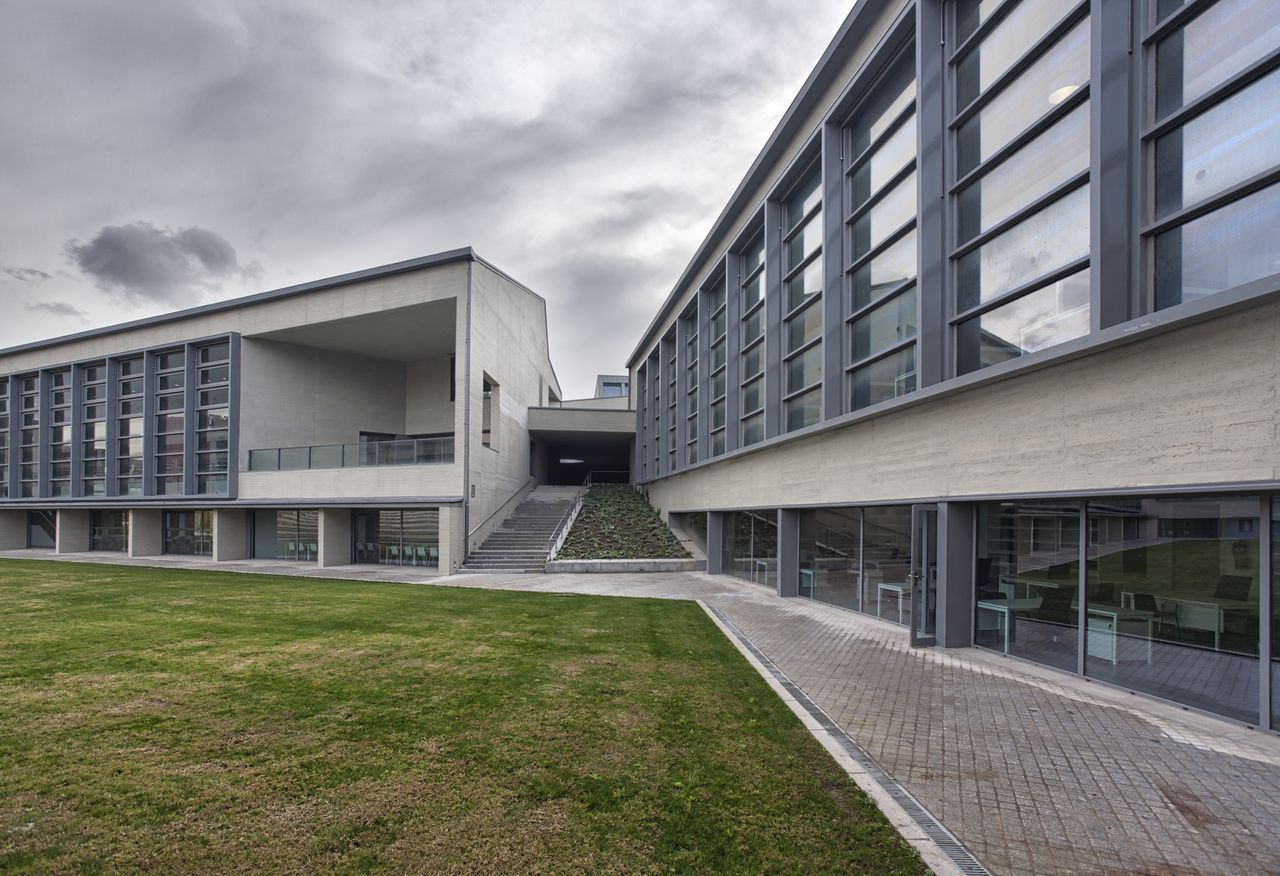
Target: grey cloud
[(158, 265), (58, 308), (27, 275)]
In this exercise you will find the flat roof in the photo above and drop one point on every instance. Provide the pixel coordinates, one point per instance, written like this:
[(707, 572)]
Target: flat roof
[(465, 253)]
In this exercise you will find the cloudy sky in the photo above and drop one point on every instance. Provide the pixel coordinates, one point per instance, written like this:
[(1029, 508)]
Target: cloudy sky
[(159, 154)]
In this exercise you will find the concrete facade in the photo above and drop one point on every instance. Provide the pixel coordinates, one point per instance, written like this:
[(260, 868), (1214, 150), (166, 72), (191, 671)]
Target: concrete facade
[(146, 532)]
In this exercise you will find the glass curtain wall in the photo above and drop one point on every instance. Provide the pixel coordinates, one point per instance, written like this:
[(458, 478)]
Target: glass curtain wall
[(398, 538), (1021, 242), (189, 533), (4, 438), (886, 562), (1027, 580), (880, 197), (29, 437), (1275, 613), (93, 416), (1173, 599), (751, 335), (130, 453), (42, 528), (669, 381), (802, 301), (751, 546), (718, 316), (108, 530), (213, 416), (60, 402), (297, 535), (170, 421), (831, 556), (1213, 145), (689, 330)]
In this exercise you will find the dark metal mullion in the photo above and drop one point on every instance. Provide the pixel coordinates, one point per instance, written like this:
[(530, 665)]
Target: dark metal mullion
[(881, 193), (1026, 211), (934, 156), (1020, 66), (1082, 584), (233, 415), (755, 272), (897, 347), (1255, 183), (890, 239), (817, 384), (1176, 19), (803, 348), (872, 305), (1265, 610), (900, 120), (1210, 99), (802, 306), (1025, 289), (1029, 133)]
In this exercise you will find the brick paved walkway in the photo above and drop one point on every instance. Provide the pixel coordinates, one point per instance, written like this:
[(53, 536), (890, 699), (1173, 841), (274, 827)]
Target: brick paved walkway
[(1035, 771)]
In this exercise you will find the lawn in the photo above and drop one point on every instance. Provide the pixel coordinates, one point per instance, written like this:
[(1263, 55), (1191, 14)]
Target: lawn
[(167, 720)]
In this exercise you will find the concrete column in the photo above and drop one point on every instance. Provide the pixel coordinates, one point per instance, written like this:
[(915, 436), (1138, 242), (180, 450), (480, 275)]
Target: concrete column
[(146, 532), (230, 534), (453, 551), (955, 574), (788, 552), (335, 537), (73, 531), (715, 542), (13, 530)]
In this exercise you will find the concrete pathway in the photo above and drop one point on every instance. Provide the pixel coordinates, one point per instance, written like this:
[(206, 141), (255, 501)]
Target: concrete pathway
[(1034, 771)]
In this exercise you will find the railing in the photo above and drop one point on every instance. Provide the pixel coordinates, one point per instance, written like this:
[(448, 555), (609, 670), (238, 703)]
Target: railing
[(408, 451), (518, 494)]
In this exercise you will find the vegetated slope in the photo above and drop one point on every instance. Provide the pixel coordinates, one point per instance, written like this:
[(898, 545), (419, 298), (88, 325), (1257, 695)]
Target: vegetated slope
[(617, 523)]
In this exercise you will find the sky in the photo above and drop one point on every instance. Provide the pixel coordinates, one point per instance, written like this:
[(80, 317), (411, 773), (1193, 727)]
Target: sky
[(160, 154)]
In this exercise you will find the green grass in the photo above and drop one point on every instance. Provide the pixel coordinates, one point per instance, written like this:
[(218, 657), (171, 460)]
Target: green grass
[(618, 523), (162, 720)]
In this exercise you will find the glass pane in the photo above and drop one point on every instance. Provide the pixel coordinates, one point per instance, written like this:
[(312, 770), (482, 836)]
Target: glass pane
[(882, 165), (1173, 604), (804, 410), (753, 326), (1047, 161), (1058, 74), (1233, 245), (753, 395), (718, 385), (1025, 24), (806, 241), (130, 426), (1041, 319), (890, 213), (751, 546), (883, 379), (886, 559), (753, 430), (804, 369), (1027, 581), (211, 441), (806, 285), (216, 418), (1193, 60), (972, 13), (173, 381), (168, 443), (129, 367), (885, 326), (886, 272), (804, 326), (888, 101), (1225, 146), (170, 422), (753, 255), (215, 353), (753, 291), (213, 397), (807, 195), (1041, 243), (717, 415), (166, 361), (174, 402), (1275, 613), (831, 556), (753, 361)]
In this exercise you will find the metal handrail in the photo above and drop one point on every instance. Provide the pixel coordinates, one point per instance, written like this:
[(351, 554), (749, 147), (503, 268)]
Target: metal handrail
[(405, 451), (566, 520), (518, 493)]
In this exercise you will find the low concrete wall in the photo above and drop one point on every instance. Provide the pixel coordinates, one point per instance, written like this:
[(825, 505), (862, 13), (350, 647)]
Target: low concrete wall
[(580, 566)]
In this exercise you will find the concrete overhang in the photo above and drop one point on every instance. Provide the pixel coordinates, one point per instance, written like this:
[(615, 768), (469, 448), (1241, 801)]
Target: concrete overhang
[(403, 334), (578, 423)]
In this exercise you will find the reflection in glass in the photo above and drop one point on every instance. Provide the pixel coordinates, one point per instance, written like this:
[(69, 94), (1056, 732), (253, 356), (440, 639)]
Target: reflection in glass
[(887, 325), (1027, 580), (804, 410), (883, 379), (831, 556), (188, 533), (882, 165), (804, 369), (886, 562), (1053, 78), (806, 196), (1005, 43), (1043, 242), (296, 534), (752, 430), (1233, 245), (751, 546), (1173, 599), (753, 396), (1194, 59), (108, 530), (972, 13), (1056, 313), (887, 271), (1047, 161), (1235, 140), (804, 327), (42, 529), (889, 214), (804, 285)]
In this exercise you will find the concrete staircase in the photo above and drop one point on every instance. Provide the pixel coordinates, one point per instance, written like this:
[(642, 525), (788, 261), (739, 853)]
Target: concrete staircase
[(520, 543)]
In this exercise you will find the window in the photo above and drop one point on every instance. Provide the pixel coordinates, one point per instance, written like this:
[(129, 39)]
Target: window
[(29, 438), (170, 422), (490, 412), (1020, 260), (1213, 146), (398, 538), (188, 533), (751, 336), (4, 438), (717, 313), (802, 299), (294, 535), (689, 331), (213, 420), (108, 530), (880, 232), (93, 416)]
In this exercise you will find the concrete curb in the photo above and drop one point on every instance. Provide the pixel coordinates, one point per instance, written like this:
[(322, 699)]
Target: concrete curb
[(908, 827), (607, 566)]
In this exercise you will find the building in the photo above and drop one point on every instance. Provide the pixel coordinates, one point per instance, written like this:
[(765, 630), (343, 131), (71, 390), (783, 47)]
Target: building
[(985, 342), (376, 417)]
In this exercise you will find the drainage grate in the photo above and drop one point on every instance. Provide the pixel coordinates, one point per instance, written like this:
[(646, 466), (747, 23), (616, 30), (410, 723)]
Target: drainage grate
[(944, 839)]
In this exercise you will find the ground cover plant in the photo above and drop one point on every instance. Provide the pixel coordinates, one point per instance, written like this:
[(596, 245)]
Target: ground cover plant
[(170, 720), (618, 523)]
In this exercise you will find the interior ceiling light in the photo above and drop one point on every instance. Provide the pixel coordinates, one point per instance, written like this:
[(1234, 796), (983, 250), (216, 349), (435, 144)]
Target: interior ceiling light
[(571, 462), (1058, 95)]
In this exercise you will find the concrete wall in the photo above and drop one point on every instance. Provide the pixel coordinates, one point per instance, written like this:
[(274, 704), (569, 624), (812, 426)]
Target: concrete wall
[(335, 537), (1196, 405), (73, 531), (146, 532), (13, 530), (389, 481), (230, 534), (293, 396), (452, 539), (579, 420), (356, 299), (508, 342), (427, 406)]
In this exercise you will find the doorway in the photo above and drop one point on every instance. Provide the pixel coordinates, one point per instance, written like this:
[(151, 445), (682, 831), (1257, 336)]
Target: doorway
[(924, 575)]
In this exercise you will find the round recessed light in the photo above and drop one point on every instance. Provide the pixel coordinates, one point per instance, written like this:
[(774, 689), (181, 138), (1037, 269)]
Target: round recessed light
[(1058, 95)]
